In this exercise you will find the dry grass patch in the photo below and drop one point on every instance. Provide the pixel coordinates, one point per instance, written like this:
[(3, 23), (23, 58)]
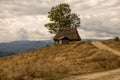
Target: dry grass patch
[(56, 62), (113, 44)]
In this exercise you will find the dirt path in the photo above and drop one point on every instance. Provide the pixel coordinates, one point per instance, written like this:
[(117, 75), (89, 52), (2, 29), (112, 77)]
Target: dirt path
[(105, 75), (100, 45)]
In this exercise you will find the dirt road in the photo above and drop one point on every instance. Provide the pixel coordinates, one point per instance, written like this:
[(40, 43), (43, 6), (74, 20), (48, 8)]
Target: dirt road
[(105, 75), (100, 45)]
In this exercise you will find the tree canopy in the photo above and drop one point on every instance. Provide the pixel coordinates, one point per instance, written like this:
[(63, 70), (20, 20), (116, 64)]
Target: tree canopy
[(60, 16)]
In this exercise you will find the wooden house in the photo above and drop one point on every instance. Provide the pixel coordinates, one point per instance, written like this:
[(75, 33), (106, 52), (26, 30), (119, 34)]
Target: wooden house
[(66, 35)]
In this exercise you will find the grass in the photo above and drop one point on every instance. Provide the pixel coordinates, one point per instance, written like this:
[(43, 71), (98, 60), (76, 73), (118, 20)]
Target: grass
[(113, 44), (56, 62)]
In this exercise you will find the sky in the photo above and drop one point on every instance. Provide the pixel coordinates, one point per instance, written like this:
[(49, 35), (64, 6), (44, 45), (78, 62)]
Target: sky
[(25, 19)]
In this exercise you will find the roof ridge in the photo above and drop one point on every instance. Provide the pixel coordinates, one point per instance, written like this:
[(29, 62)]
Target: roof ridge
[(70, 32)]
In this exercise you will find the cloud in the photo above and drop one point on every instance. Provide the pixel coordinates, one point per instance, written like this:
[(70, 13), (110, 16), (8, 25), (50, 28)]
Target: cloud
[(25, 19), (24, 28), (102, 23), (10, 8), (93, 34)]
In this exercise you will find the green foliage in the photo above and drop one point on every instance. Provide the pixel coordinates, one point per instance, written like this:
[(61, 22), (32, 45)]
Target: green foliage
[(61, 16)]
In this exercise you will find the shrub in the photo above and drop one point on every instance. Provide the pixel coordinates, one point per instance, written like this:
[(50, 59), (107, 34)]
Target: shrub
[(117, 39)]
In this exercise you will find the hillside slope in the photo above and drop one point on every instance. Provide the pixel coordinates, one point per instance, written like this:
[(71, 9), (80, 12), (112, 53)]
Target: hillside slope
[(57, 61), (113, 44), (101, 45)]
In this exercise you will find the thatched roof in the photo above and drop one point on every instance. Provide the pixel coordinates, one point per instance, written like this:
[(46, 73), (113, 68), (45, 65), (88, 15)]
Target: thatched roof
[(70, 33)]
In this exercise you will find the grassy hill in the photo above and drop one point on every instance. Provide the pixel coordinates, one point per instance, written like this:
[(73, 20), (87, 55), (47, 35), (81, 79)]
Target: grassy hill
[(113, 44), (56, 62)]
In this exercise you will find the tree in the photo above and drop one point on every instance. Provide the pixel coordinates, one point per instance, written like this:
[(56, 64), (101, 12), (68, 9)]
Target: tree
[(60, 17)]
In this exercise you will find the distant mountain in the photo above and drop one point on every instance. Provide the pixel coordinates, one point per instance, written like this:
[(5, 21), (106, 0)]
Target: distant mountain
[(22, 46), (15, 47), (2, 54)]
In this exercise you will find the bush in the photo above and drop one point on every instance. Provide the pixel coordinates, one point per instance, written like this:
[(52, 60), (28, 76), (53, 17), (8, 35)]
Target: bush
[(117, 39)]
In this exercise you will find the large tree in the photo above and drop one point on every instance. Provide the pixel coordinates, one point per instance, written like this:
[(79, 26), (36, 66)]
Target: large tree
[(61, 16)]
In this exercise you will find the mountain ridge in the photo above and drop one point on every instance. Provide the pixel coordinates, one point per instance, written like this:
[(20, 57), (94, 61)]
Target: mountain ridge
[(22, 46)]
